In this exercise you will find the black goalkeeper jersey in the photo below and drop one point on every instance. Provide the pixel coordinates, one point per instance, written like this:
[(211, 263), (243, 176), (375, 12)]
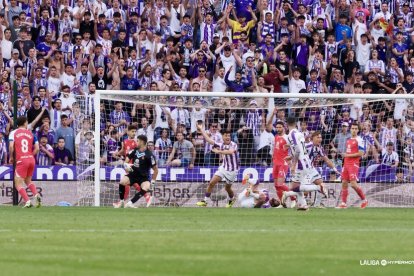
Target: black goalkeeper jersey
[(142, 162)]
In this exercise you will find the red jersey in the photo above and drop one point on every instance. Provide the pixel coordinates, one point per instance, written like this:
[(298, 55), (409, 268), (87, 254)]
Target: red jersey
[(354, 145), (279, 151), (129, 145), (23, 143)]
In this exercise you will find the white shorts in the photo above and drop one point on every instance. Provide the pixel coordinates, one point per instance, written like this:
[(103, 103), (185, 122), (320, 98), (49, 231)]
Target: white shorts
[(307, 176), (245, 202), (228, 176)]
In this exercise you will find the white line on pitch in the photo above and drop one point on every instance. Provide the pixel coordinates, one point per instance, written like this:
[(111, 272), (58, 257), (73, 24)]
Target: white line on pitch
[(199, 230)]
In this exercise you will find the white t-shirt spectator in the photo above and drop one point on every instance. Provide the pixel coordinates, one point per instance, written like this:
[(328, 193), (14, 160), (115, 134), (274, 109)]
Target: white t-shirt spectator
[(197, 115), (161, 120), (295, 86), (53, 85), (363, 53), (148, 131), (6, 48), (266, 139), (67, 102), (68, 80), (227, 63), (219, 85)]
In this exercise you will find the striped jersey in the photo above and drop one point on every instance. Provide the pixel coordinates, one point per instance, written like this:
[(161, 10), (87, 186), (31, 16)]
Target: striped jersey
[(389, 158), (296, 141), (315, 152), (163, 145), (230, 161), (42, 159)]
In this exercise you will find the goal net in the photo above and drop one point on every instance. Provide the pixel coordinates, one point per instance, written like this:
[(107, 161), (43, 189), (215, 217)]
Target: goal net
[(100, 122), (186, 164)]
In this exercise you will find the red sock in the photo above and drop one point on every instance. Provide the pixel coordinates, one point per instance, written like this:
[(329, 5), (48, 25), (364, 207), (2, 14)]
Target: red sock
[(344, 194), (32, 188), (137, 187), (22, 192), (126, 194), (280, 188), (359, 191)]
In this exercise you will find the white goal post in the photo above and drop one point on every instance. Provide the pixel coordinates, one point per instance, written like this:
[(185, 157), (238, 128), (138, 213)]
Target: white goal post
[(150, 97)]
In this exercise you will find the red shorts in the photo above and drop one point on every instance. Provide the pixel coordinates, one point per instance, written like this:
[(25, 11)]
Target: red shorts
[(350, 173), (25, 167), (280, 171)]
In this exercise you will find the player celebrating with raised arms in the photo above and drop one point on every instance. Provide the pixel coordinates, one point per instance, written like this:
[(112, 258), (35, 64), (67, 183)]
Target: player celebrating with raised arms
[(301, 168), (316, 153), (253, 197), (139, 171), (229, 168), (25, 146), (280, 165), (355, 149)]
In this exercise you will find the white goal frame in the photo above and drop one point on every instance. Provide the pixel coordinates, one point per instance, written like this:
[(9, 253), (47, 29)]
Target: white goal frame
[(99, 93)]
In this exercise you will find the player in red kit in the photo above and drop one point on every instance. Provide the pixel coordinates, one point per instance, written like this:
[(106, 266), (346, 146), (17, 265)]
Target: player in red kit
[(24, 146), (129, 145), (355, 149), (280, 166)]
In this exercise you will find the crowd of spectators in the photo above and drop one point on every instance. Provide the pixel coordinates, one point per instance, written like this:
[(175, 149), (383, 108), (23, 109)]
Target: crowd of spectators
[(56, 53)]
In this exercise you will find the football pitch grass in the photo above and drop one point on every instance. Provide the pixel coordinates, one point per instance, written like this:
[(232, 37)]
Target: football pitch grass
[(204, 241)]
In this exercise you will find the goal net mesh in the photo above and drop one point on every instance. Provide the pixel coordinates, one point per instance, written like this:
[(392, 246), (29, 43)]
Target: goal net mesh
[(386, 127)]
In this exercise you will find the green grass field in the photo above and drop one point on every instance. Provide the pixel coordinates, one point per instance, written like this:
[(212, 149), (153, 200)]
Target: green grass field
[(203, 241)]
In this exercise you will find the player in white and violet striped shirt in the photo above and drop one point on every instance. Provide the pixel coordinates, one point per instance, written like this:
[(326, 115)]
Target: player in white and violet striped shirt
[(228, 170), (317, 154)]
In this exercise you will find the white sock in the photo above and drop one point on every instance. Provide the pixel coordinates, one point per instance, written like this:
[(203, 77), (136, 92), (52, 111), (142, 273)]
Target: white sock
[(318, 199), (301, 199), (291, 193), (205, 198), (309, 188)]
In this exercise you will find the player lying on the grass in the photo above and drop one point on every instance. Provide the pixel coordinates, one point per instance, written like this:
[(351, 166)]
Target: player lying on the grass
[(316, 153), (253, 197), (229, 168), (280, 164), (301, 168), (25, 146), (139, 170), (127, 146), (355, 149)]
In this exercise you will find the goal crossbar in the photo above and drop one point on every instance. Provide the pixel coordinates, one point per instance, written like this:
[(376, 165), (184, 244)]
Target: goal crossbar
[(255, 95)]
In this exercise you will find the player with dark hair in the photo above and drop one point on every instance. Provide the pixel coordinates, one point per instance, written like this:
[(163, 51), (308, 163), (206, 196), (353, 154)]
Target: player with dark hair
[(25, 146), (138, 164), (316, 154), (280, 165), (127, 145), (355, 149), (301, 168), (229, 168)]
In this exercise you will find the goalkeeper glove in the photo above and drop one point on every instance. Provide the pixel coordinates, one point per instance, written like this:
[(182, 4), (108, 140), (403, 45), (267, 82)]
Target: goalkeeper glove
[(127, 167)]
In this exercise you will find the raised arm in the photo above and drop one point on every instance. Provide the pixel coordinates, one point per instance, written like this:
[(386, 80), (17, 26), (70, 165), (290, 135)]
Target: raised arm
[(208, 139)]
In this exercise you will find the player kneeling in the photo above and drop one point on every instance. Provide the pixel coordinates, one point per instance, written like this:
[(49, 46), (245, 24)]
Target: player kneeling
[(138, 172), (253, 197)]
